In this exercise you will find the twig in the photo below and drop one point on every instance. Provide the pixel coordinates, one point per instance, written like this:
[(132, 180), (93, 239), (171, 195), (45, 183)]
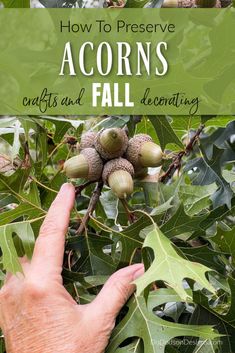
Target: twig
[(71, 140), (137, 119), (193, 140), (92, 205), (26, 162), (80, 188), (130, 215), (177, 161)]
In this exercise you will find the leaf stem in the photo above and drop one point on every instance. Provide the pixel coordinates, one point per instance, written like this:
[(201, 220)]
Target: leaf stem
[(22, 198), (80, 188), (147, 215), (130, 214), (42, 185), (55, 149), (110, 230)]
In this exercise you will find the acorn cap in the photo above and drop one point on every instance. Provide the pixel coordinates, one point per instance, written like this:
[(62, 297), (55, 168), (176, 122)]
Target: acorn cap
[(114, 165), (133, 149), (111, 143), (95, 163), (87, 164), (88, 140)]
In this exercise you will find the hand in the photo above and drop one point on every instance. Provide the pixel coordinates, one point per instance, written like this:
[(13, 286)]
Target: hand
[(38, 315)]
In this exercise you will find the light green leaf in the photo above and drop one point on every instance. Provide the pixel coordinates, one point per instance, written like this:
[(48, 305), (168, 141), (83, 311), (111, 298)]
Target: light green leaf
[(9, 255), (14, 185), (162, 208), (196, 198), (183, 124), (154, 332), (10, 258), (23, 210), (171, 268), (207, 346), (25, 233), (219, 121)]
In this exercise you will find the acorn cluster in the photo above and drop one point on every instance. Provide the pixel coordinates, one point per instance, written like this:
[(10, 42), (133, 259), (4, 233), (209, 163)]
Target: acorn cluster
[(110, 155)]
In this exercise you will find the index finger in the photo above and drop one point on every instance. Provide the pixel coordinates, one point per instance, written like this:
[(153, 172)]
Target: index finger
[(49, 246)]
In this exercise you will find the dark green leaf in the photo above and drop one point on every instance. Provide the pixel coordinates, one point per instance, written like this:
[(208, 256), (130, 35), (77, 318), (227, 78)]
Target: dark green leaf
[(164, 131)]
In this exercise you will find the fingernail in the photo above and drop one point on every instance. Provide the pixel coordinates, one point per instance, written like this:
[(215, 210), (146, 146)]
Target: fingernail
[(138, 273)]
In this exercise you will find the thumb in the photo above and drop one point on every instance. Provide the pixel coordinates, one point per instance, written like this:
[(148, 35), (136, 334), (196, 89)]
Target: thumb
[(117, 290)]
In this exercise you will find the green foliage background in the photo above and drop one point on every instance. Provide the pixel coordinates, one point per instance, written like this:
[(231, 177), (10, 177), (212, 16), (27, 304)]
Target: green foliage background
[(185, 227), (184, 231)]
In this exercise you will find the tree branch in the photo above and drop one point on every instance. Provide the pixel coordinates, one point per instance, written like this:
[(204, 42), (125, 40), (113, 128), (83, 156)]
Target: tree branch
[(91, 207), (26, 162), (177, 161), (80, 188)]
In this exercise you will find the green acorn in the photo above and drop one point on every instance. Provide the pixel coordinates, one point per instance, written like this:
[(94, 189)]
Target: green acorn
[(178, 3), (87, 164), (170, 3), (111, 143), (118, 174), (143, 152)]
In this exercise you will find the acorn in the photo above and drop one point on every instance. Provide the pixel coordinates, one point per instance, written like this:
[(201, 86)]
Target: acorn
[(170, 3), (178, 3), (143, 152), (88, 140), (111, 143), (87, 164), (118, 174)]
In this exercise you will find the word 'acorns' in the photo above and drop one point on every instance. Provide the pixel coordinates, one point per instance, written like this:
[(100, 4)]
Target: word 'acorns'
[(110, 155)]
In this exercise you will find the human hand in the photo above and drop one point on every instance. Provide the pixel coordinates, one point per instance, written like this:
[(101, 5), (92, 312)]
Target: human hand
[(38, 315)]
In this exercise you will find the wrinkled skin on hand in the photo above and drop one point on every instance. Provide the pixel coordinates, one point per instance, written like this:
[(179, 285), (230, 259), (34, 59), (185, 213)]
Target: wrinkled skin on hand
[(38, 315)]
